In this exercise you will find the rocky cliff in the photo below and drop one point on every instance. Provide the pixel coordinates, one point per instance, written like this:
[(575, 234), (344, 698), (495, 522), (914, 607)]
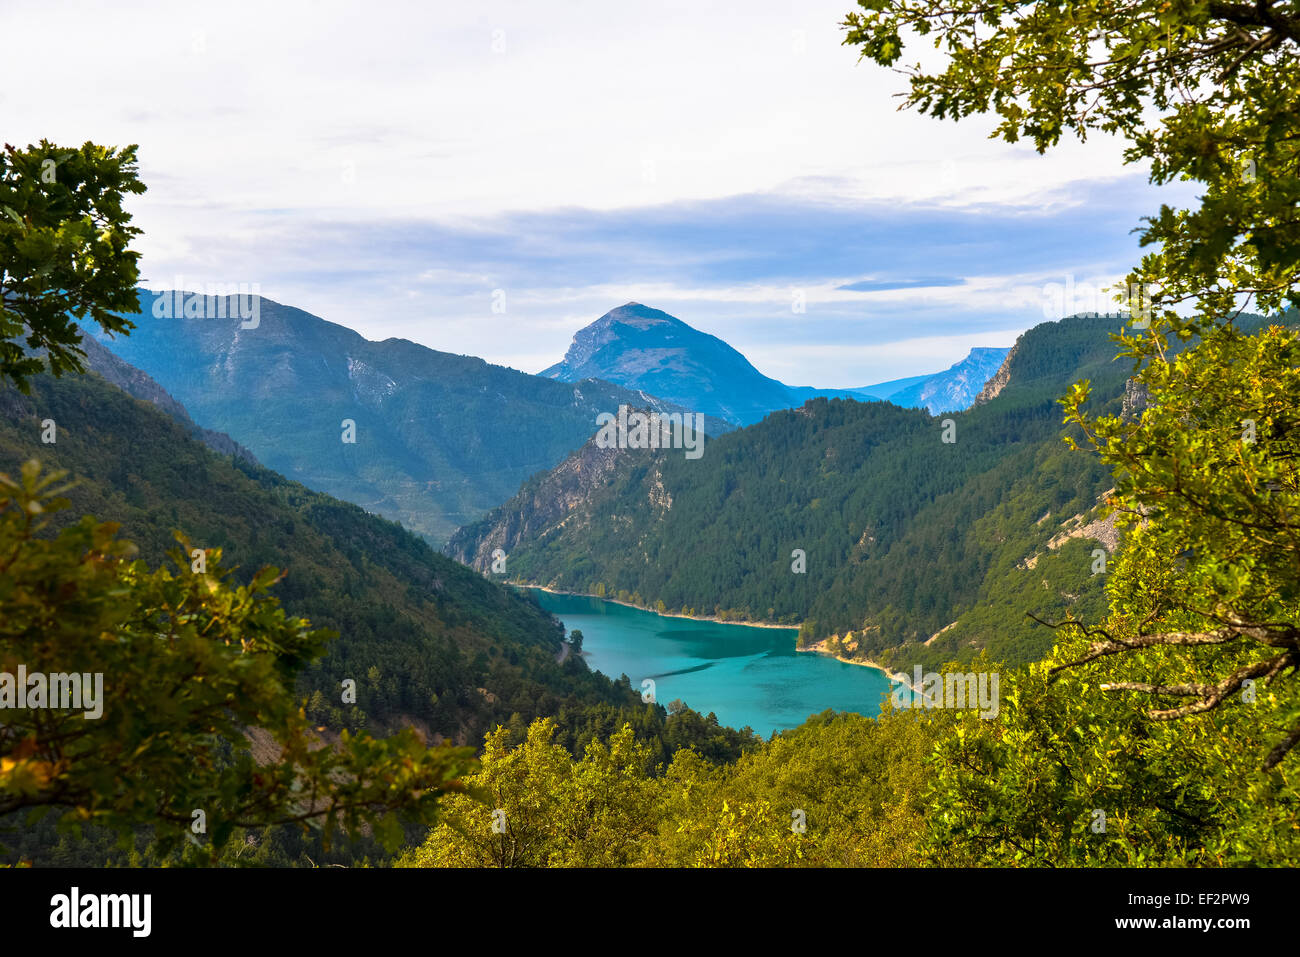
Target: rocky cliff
[(541, 507), (994, 386)]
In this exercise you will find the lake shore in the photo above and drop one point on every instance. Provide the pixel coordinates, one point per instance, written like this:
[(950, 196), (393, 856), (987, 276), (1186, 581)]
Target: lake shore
[(819, 648), (816, 648), (747, 676), (663, 614)]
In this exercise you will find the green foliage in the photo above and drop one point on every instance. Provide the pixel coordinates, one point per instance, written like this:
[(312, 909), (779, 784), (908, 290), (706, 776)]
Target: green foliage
[(1069, 775), (186, 662), (64, 252), (1200, 91), (903, 533), (538, 807), (855, 782), (1207, 489), (839, 790)]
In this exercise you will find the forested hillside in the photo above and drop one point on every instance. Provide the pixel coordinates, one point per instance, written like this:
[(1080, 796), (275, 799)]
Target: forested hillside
[(426, 639), (430, 644), (904, 535), (435, 439)]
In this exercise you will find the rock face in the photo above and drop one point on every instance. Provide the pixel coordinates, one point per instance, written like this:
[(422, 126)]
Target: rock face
[(542, 505), (1136, 399), (1101, 530), (994, 386), (957, 387)]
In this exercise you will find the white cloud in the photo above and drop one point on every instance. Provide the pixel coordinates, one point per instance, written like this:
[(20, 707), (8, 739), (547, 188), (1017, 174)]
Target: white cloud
[(406, 109), (262, 124)]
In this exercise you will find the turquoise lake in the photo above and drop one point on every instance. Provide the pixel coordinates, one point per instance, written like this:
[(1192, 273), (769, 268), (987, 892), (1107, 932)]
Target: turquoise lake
[(745, 675)]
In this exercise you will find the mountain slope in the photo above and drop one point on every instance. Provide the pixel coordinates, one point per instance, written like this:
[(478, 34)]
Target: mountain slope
[(438, 438), (136, 383), (955, 388), (646, 349), (428, 641), (903, 534)]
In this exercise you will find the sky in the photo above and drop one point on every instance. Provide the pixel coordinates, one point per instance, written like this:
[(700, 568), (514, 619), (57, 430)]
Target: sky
[(486, 178)]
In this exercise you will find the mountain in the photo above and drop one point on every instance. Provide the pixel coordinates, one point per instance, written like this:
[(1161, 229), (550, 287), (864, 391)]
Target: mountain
[(914, 549), (136, 383), (857, 521), (431, 643), (955, 388), (647, 349), (884, 390), (437, 438)]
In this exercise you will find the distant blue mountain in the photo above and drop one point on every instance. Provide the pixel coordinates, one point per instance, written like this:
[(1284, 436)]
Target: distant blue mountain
[(646, 349), (955, 388), (887, 390)]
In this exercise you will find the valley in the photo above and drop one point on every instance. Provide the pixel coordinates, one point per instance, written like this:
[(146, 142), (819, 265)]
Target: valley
[(672, 439)]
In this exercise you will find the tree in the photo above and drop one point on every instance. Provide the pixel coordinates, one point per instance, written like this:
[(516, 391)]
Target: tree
[(1208, 493), (187, 662), (1204, 590), (575, 639), (1202, 91), (535, 806), (64, 252), (1069, 777), (165, 671)]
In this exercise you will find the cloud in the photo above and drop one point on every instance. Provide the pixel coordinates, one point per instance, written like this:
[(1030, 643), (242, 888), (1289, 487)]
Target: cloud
[(393, 172), (885, 285), (740, 267)]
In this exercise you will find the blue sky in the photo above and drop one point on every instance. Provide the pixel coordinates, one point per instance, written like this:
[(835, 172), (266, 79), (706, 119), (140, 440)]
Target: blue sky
[(887, 289), (401, 172)]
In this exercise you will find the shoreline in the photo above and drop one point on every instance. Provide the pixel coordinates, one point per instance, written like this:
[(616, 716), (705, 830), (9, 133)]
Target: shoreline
[(819, 648), (816, 648), (662, 614)]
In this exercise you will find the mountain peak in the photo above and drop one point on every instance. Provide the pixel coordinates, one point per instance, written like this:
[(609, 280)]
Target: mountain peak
[(639, 347), (638, 316)]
